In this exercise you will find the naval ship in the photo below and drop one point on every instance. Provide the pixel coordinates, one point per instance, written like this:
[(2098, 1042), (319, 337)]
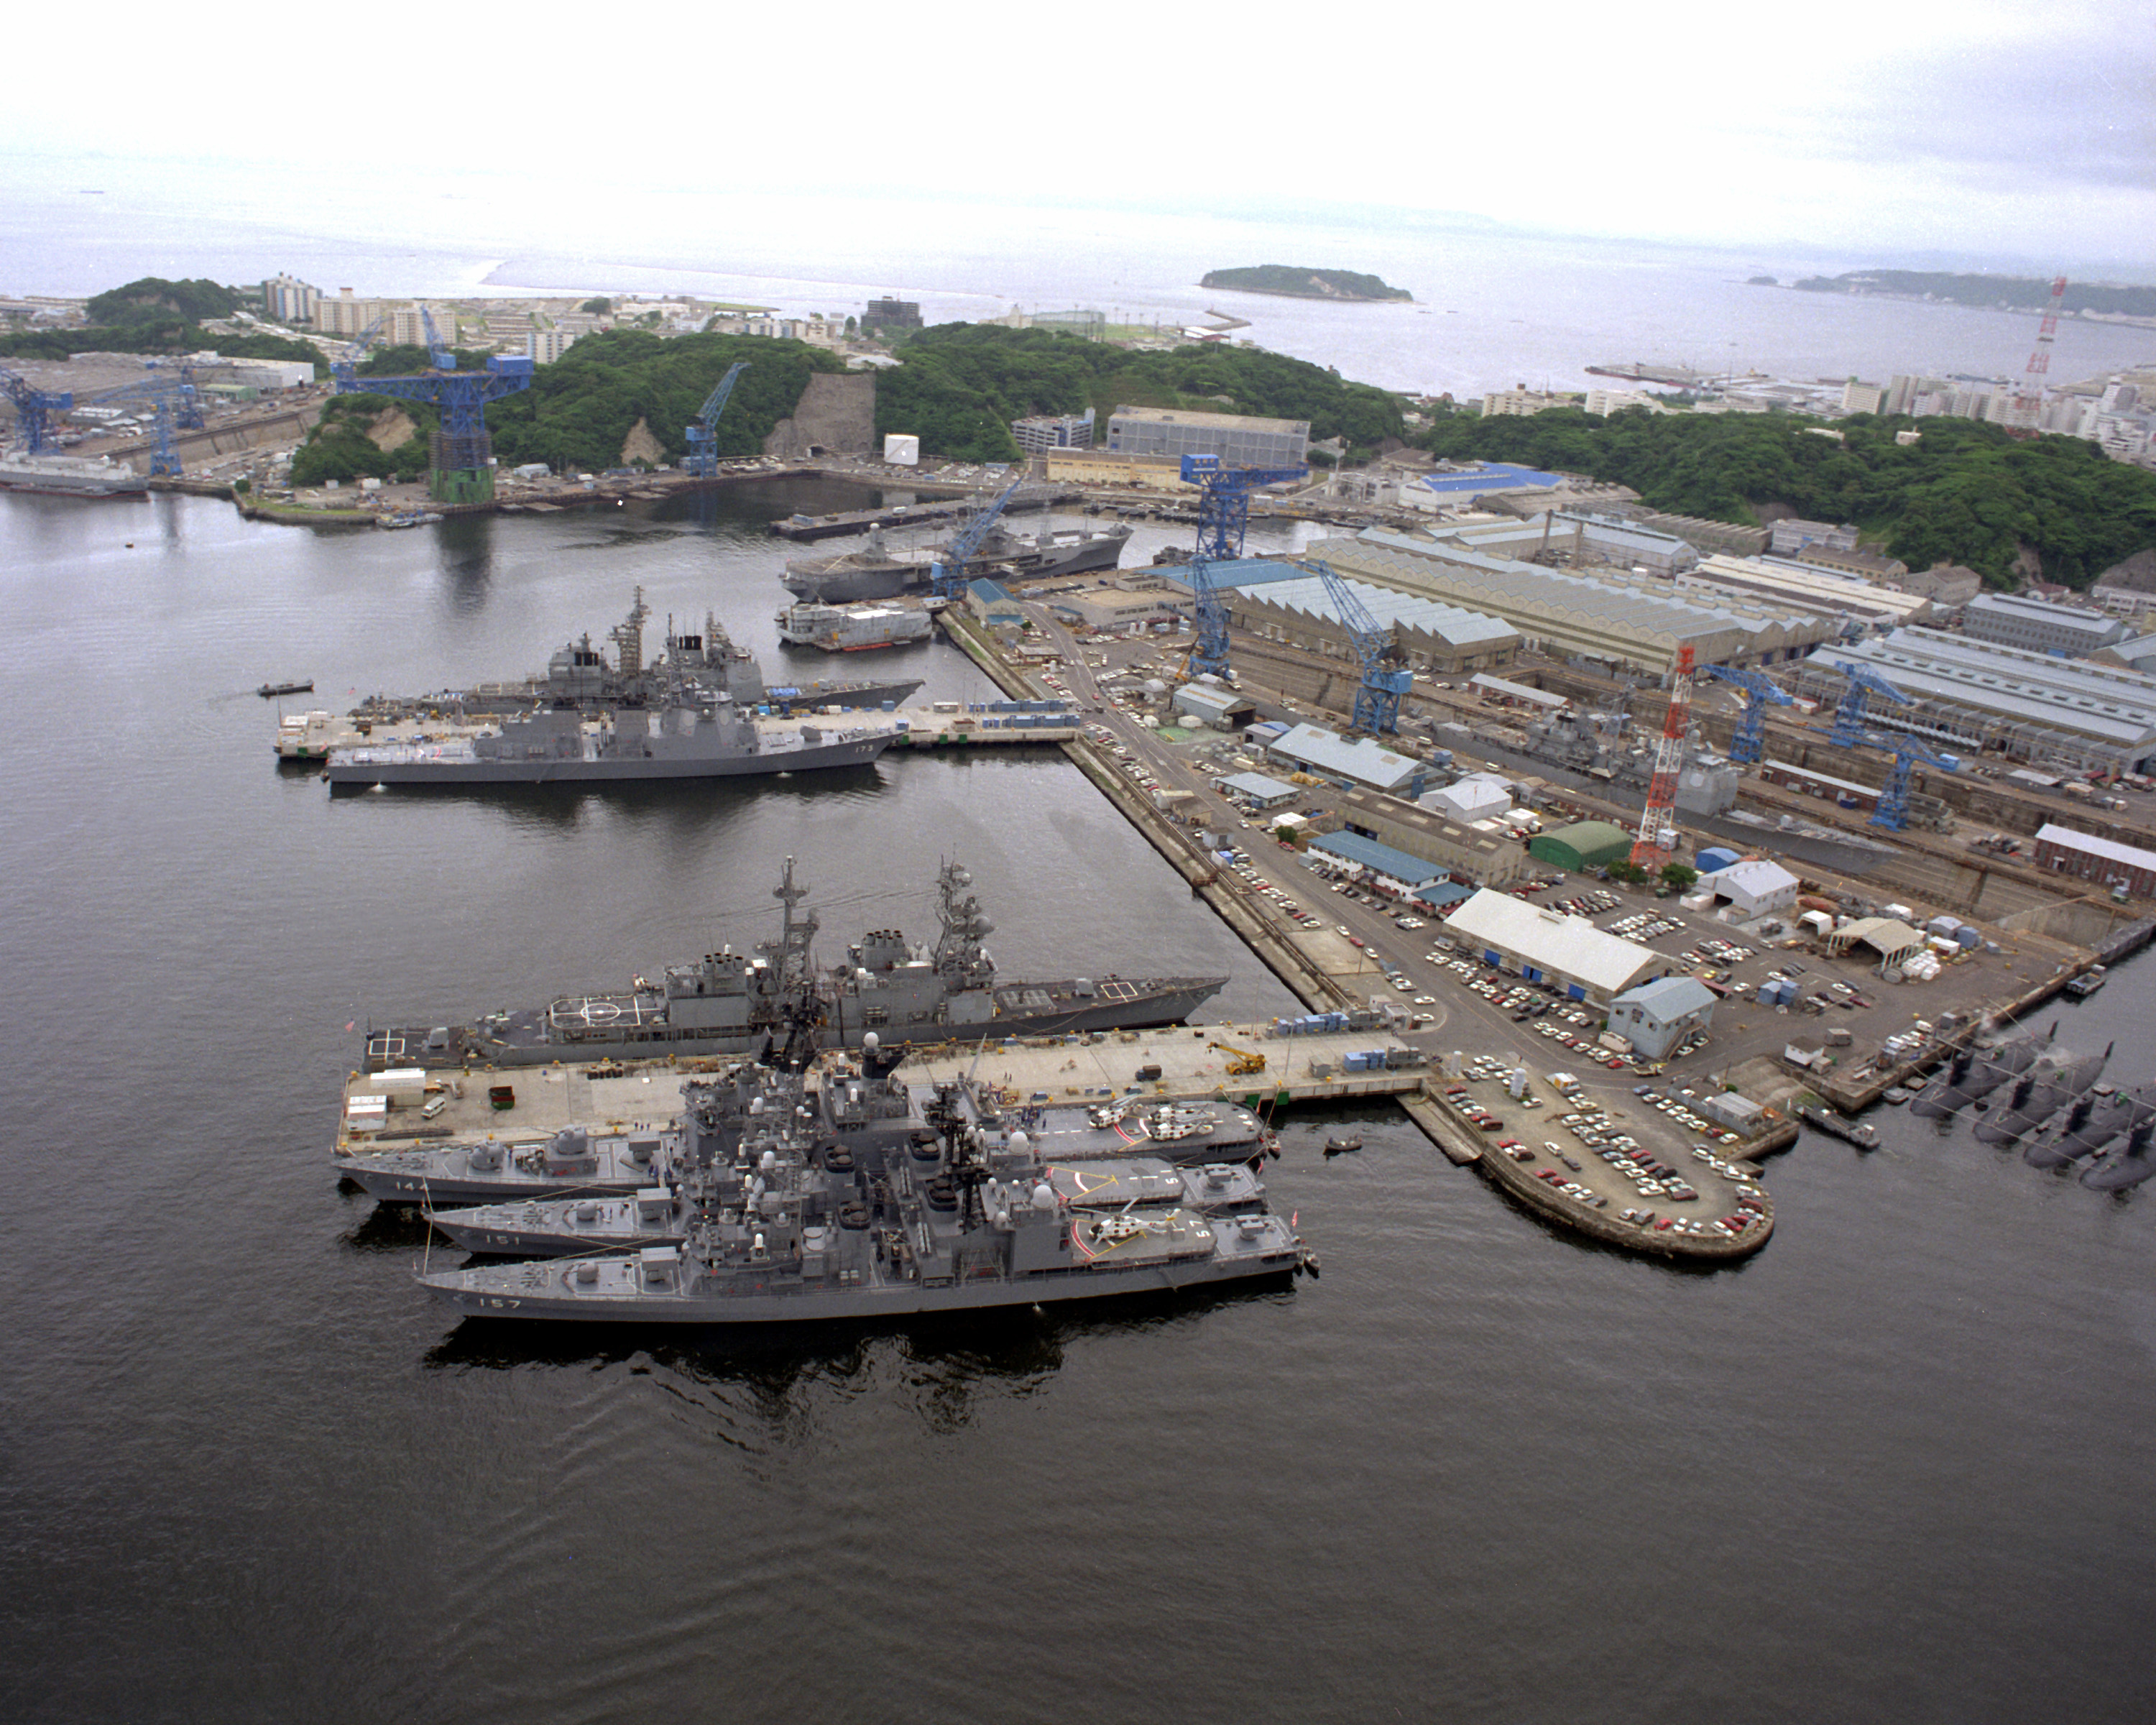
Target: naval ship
[(694, 734), (579, 676), (875, 573), (960, 1216), (730, 1003)]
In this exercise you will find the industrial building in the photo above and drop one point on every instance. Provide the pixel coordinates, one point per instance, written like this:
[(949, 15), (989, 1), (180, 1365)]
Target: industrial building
[(1583, 845), (1807, 588), (1278, 602), (1390, 871), (1254, 790), (1582, 536), (1975, 697), (1569, 952), (1757, 887), (1657, 1015), (1218, 706), (1239, 440), (1792, 534), (2105, 861), (1108, 467), (1613, 620), (1130, 602), (1360, 760), (891, 314), (2038, 626), (1451, 484), (1465, 852), (1479, 796)]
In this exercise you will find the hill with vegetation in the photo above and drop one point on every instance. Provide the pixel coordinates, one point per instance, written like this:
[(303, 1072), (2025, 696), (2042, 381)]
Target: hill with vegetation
[(960, 385), (2017, 293), (1965, 493), (155, 315), (1303, 284)]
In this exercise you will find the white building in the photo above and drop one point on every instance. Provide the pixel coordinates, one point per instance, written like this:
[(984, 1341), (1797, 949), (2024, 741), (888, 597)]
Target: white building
[(1757, 887), (1544, 946), (1480, 796), (545, 347)]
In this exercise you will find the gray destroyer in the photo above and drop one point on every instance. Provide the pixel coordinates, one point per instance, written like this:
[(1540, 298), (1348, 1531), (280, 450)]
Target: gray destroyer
[(579, 676), (962, 1216), (730, 1003), (694, 735)]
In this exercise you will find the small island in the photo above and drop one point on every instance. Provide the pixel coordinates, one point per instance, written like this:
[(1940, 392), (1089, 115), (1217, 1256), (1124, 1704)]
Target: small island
[(1301, 284)]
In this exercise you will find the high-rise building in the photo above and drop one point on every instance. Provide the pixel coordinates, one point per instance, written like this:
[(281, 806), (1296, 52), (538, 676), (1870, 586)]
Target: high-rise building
[(545, 347), (1042, 432), (285, 299)]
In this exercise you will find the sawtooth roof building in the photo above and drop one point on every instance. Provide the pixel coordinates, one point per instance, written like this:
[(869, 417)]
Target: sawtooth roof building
[(1605, 618), (1279, 602), (2030, 706)]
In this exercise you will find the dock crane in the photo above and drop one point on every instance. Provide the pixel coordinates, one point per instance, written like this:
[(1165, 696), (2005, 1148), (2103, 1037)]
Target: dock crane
[(1385, 680), (702, 460), (35, 410), (1909, 751), (948, 572), (1849, 731), (1224, 501), (1749, 742), (1223, 512), (462, 470), (174, 402)]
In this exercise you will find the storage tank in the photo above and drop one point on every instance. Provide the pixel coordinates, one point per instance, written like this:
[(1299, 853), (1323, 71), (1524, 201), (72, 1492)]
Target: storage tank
[(901, 450)]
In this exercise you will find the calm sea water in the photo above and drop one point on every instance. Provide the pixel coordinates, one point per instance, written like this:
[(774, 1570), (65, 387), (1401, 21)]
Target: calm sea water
[(1492, 309), (1893, 1468)]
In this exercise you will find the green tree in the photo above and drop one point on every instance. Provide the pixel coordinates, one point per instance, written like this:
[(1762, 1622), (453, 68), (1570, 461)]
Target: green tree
[(1680, 877)]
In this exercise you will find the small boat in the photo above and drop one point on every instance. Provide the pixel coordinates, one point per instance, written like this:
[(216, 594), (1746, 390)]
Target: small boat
[(1342, 1146), (2087, 983), (1829, 1121), (268, 689)]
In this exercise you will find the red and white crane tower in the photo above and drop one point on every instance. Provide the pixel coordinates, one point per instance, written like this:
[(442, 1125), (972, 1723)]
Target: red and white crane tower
[(1658, 820), (2028, 404)]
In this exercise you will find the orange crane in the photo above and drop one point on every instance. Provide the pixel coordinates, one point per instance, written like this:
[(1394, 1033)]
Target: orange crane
[(1658, 820)]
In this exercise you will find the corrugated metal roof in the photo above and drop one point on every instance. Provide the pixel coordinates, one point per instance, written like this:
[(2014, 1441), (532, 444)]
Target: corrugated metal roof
[(1492, 476), (1549, 940), (1256, 784), (1354, 847), (1361, 759), (1386, 605), (2029, 688), (2110, 849), (1670, 998), (1757, 876)]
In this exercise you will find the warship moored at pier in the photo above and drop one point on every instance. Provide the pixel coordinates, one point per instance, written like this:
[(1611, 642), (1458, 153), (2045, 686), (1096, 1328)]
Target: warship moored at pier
[(730, 1003)]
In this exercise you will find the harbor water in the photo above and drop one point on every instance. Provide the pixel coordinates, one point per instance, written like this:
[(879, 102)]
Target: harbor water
[(1894, 1467)]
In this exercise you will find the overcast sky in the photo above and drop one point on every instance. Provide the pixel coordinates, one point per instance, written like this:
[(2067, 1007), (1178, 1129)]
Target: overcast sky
[(2006, 128)]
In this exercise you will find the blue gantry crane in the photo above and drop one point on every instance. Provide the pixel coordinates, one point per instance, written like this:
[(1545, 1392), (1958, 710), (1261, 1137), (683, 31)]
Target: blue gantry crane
[(462, 470), (1910, 752), (1224, 501), (703, 458), (1849, 731), (35, 410), (173, 403), (1749, 742), (1385, 680), (948, 572), (1223, 512)]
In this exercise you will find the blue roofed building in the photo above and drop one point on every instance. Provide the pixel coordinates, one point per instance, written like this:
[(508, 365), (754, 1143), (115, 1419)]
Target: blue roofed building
[(1656, 1016), (1387, 870)]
